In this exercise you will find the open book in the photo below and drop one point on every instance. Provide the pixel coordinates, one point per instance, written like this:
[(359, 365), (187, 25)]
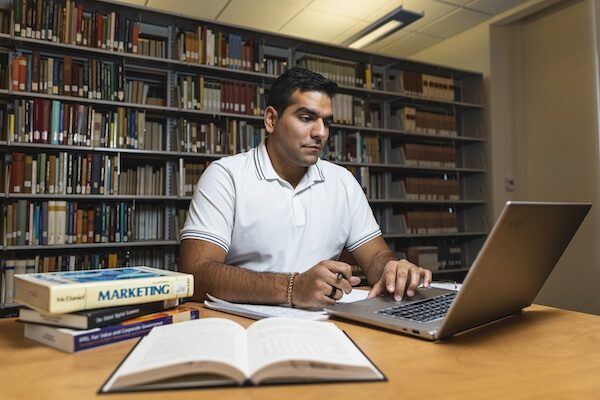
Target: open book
[(217, 351)]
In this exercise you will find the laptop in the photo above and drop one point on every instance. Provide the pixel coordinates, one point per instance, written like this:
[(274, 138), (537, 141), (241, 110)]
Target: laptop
[(518, 255)]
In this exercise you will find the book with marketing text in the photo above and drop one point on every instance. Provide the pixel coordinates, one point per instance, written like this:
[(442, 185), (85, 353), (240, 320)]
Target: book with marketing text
[(220, 352), (68, 291)]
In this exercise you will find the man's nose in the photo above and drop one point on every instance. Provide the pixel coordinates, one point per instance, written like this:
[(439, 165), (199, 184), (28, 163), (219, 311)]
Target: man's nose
[(319, 129)]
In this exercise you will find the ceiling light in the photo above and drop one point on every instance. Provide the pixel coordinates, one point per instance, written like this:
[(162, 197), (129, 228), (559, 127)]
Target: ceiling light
[(394, 21)]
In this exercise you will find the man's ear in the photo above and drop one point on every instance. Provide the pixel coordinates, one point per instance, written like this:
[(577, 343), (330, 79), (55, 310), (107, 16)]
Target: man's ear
[(270, 119)]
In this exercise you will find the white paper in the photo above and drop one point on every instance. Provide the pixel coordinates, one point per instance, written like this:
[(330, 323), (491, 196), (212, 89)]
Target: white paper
[(354, 295), (258, 311)]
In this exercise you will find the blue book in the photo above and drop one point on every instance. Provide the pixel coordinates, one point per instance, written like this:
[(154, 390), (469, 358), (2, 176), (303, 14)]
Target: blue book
[(71, 340)]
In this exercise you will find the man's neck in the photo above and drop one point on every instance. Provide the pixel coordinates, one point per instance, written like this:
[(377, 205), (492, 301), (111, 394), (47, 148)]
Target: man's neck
[(292, 174)]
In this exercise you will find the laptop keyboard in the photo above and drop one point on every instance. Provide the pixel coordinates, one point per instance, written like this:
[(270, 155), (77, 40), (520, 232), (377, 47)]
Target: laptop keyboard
[(422, 311)]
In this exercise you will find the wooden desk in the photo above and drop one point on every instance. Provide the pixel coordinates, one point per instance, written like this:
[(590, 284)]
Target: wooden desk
[(543, 353)]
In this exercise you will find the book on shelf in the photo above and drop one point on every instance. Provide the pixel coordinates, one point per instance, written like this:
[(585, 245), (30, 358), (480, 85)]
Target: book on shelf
[(60, 123), (424, 256), (428, 86), (264, 354), (72, 24), (205, 46), (62, 292), (86, 261), (213, 95), (66, 76), (4, 21), (344, 73), (72, 340), (427, 222), (95, 318), (59, 222), (425, 155)]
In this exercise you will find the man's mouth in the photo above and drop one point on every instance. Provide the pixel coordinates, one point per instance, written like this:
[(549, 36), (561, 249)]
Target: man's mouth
[(314, 147)]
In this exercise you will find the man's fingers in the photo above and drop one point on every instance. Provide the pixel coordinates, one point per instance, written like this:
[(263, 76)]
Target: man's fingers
[(355, 280), (415, 276), (338, 267), (333, 295), (378, 289), (428, 277), (339, 275), (401, 281)]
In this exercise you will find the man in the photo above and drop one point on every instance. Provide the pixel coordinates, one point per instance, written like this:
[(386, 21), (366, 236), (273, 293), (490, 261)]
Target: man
[(268, 226)]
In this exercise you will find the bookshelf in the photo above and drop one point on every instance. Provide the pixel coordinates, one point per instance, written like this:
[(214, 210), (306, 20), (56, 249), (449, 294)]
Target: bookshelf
[(98, 96)]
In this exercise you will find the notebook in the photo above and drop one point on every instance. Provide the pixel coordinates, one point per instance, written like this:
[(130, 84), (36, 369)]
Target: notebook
[(517, 257)]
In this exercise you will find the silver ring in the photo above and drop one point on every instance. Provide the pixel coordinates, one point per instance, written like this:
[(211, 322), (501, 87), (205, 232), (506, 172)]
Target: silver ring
[(340, 276), (333, 292)]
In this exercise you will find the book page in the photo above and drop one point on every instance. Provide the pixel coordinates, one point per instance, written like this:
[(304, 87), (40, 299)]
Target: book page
[(282, 339), (207, 340)]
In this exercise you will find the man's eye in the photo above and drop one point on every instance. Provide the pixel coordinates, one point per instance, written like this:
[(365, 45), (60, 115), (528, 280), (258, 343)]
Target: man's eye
[(305, 118)]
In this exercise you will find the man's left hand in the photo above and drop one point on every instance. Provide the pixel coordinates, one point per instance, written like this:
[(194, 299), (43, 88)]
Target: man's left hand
[(399, 277)]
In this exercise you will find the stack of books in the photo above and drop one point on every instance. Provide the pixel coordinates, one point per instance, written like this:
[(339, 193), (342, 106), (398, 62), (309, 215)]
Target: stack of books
[(79, 310)]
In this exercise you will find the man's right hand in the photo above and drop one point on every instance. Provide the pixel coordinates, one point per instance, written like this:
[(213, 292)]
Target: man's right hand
[(313, 287)]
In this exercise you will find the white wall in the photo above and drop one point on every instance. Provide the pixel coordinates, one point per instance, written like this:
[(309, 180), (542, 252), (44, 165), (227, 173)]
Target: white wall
[(541, 78)]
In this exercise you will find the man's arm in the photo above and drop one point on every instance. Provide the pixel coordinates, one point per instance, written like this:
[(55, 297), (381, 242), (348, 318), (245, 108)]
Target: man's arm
[(386, 273), (211, 275), (206, 261)]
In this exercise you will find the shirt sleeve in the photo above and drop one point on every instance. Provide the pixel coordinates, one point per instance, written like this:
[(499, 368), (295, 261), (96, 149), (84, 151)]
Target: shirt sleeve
[(363, 226), (211, 212)]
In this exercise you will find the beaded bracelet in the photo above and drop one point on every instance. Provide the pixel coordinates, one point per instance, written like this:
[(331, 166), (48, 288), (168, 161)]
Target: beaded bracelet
[(290, 288)]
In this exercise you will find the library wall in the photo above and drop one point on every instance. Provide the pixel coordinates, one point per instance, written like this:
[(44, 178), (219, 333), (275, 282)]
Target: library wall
[(110, 116), (560, 103), (542, 86)]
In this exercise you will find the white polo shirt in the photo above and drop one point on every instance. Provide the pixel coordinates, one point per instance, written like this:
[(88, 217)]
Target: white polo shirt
[(264, 224)]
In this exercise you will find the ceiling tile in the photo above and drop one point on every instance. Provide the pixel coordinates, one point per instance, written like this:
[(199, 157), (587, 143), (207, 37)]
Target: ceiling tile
[(199, 8), (409, 45), (299, 3), (353, 30), (493, 6), (356, 9), (454, 23), (319, 26), (433, 11), (373, 14), (267, 15)]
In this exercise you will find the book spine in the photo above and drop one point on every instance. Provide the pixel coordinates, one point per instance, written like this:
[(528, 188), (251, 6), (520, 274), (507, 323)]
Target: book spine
[(63, 340), (95, 318), (118, 333), (64, 298)]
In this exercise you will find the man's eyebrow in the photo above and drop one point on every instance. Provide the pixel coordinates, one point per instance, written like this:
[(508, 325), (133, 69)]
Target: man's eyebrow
[(306, 110)]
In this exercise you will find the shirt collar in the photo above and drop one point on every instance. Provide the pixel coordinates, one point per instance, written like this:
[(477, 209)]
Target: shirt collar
[(265, 170)]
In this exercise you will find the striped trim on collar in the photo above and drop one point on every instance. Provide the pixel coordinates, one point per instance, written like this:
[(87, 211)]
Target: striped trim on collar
[(257, 165)]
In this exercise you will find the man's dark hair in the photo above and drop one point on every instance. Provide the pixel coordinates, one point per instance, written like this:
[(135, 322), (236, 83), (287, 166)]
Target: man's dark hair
[(297, 78)]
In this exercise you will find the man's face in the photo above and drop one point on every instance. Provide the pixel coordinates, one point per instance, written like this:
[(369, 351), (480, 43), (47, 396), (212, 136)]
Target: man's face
[(301, 132)]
